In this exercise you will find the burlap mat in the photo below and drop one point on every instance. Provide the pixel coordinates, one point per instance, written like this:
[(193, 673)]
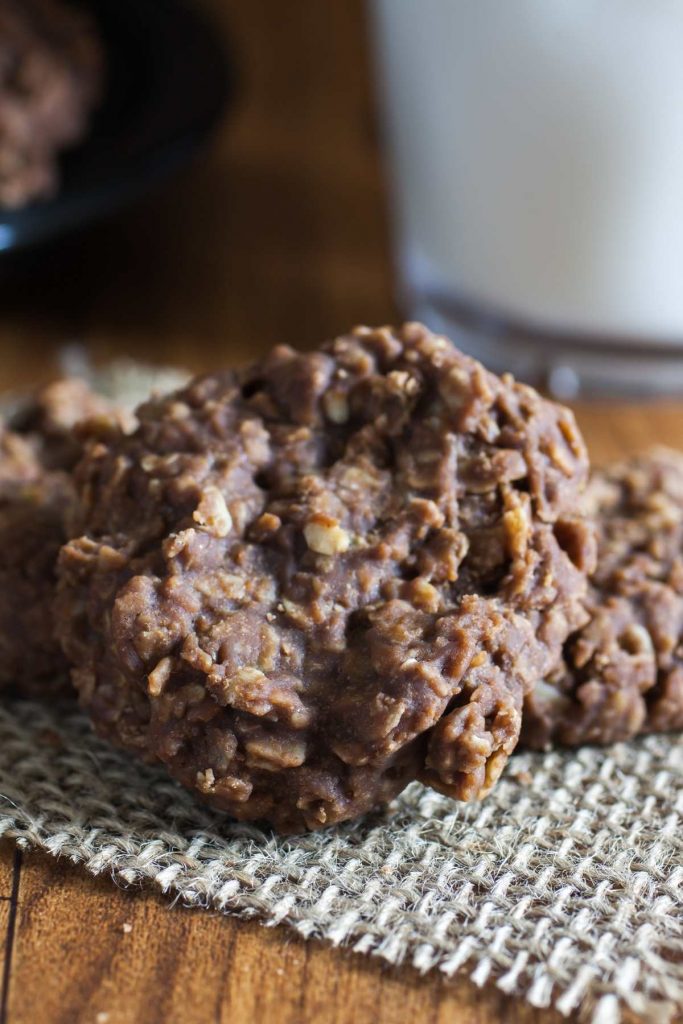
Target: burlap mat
[(564, 887)]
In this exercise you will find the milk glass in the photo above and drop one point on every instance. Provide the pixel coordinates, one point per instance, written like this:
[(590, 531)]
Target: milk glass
[(535, 157)]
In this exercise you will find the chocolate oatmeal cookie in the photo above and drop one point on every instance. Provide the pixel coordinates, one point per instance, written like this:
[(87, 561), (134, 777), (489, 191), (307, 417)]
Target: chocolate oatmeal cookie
[(38, 448), (622, 673), (304, 585), (51, 417), (51, 70)]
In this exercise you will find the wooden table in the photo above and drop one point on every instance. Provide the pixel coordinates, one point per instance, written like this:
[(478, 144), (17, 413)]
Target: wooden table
[(278, 233)]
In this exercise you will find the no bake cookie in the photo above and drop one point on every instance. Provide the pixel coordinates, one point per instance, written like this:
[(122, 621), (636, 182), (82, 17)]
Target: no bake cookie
[(303, 585), (38, 448), (51, 71), (622, 673)]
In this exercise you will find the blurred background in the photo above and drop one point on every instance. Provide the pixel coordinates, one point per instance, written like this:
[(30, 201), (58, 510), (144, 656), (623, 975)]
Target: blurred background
[(276, 231), (511, 174)]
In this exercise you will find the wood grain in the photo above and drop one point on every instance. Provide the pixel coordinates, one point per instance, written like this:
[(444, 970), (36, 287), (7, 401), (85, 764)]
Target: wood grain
[(85, 949), (278, 233), (10, 880)]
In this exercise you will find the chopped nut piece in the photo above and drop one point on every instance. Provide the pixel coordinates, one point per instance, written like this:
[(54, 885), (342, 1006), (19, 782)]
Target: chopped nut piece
[(325, 536), (336, 406), (271, 753), (425, 595), (268, 523), (405, 381), (206, 780), (212, 513), (518, 529), (159, 676)]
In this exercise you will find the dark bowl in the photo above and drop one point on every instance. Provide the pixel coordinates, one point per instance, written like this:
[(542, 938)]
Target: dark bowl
[(168, 81)]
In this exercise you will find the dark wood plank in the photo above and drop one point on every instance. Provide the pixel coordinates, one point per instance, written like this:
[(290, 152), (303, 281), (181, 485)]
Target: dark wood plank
[(6, 865), (85, 949), (10, 875)]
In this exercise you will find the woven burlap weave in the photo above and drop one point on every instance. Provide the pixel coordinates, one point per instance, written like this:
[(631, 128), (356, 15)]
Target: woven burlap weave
[(564, 887)]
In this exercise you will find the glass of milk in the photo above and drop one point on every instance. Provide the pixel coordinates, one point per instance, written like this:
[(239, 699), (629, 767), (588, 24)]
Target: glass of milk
[(536, 164)]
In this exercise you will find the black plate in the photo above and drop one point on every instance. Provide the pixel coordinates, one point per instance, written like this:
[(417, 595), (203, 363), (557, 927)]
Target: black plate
[(168, 80)]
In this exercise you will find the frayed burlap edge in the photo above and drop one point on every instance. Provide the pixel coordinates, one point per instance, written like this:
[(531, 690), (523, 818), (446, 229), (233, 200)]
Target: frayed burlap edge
[(564, 887)]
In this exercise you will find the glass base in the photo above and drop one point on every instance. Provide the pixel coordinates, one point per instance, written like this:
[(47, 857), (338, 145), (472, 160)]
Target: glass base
[(565, 365)]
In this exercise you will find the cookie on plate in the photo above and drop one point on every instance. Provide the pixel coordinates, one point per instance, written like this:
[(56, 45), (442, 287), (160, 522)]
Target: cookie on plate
[(51, 71)]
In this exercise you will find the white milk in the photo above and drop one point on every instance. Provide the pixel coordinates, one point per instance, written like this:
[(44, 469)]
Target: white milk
[(536, 157)]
